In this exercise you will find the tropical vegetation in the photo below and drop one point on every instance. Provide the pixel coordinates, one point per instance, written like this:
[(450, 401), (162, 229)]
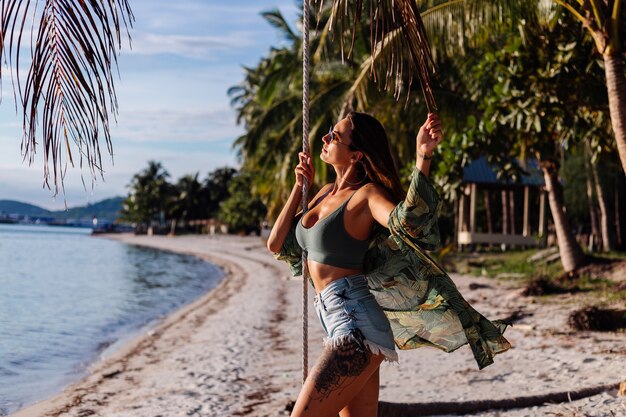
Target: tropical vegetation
[(505, 94), (517, 79), (155, 204), (605, 22)]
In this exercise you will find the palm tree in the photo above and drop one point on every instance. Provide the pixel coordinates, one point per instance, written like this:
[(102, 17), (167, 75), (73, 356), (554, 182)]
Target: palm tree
[(605, 21), (526, 88), (242, 211), (215, 189), (188, 201), (268, 104), (457, 24), (150, 196), (69, 84), (399, 47)]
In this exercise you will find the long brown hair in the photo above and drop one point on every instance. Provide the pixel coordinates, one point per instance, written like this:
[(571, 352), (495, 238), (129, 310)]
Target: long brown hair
[(369, 137)]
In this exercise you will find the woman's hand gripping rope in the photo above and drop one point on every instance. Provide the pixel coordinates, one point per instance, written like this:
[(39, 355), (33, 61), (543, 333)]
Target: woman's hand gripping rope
[(304, 169)]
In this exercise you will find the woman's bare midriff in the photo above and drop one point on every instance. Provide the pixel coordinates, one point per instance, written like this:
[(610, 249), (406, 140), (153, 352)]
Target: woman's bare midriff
[(322, 274)]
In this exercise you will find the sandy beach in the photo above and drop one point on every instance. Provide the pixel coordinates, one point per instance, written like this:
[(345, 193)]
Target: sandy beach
[(237, 351)]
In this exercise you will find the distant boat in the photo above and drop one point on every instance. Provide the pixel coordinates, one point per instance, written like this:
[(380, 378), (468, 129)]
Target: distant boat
[(70, 223)]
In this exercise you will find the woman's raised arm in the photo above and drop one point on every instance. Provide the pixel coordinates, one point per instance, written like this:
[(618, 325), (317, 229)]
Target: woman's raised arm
[(428, 137)]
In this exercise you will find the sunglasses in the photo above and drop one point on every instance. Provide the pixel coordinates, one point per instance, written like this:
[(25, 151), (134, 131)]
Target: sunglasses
[(333, 137)]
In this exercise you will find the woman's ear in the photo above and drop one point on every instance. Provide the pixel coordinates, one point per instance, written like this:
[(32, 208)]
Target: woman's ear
[(357, 156)]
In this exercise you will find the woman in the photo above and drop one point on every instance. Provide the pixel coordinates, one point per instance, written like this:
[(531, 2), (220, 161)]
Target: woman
[(350, 256)]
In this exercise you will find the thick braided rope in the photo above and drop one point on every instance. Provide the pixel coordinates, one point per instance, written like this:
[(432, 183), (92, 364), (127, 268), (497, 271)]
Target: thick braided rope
[(305, 187)]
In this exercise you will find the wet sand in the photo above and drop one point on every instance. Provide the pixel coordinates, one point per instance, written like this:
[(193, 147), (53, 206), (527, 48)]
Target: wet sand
[(237, 351)]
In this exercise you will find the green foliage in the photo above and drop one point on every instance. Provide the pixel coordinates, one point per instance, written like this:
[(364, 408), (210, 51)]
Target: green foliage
[(575, 188), (154, 200), (604, 20), (510, 263), (190, 200), (242, 211), (216, 189), (457, 28), (150, 196), (527, 86), (524, 87), (268, 103)]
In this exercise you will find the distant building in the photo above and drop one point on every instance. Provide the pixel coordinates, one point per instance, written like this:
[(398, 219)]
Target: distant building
[(522, 214)]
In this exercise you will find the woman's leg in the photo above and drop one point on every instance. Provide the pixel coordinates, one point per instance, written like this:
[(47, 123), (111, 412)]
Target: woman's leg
[(339, 375), (365, 403)]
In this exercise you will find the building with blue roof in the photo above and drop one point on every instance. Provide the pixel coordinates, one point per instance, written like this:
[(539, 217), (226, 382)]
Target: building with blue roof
[(522, 206)]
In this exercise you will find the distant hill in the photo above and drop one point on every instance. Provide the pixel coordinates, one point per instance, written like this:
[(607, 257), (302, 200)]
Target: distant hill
[(23, 209), (108, 209)]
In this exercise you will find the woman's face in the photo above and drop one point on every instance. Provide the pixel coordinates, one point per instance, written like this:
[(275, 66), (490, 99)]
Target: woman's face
[(337, 149)]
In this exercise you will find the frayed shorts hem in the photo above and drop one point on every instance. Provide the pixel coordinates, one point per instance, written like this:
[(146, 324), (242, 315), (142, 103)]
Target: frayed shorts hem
[(390, 354)]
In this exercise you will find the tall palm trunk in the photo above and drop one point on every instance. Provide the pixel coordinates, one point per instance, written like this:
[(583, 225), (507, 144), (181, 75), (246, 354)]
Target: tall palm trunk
[(605, 227), (618, 225), (572, 256), (594, 239), (616, 86)]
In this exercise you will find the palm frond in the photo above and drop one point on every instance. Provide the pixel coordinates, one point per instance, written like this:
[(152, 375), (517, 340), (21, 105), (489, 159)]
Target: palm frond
[(456, 25), (358, 89), (69, 87), (276, 19), (407, 56)]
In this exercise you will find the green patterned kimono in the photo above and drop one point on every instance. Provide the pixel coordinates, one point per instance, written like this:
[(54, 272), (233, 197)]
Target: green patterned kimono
[(422, 303)]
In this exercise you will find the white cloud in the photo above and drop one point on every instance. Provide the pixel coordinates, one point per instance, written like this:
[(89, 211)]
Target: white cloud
[(190, 46), (173, 125), (163, 15)]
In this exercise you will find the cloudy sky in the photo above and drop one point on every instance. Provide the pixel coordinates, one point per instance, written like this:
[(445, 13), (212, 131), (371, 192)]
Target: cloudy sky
[(172, 95)]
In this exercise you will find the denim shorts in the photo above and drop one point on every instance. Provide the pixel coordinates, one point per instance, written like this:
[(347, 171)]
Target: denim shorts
[(349, 312)]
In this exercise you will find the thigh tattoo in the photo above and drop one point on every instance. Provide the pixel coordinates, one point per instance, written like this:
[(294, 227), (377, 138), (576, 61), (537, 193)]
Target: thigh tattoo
[(346, 360)]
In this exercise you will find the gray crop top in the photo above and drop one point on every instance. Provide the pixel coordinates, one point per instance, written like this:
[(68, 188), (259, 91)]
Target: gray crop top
[(328, 242)]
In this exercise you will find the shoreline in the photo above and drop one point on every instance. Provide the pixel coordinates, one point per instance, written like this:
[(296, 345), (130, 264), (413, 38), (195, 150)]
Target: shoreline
[(114, 357), (236, 350)]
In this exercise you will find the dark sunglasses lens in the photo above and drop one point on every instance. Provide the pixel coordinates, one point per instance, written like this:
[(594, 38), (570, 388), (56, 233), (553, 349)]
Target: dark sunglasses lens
[(327, 138)]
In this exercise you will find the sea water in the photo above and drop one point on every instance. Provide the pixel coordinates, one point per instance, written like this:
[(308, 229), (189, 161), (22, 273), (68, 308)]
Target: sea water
[(66, 295)]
